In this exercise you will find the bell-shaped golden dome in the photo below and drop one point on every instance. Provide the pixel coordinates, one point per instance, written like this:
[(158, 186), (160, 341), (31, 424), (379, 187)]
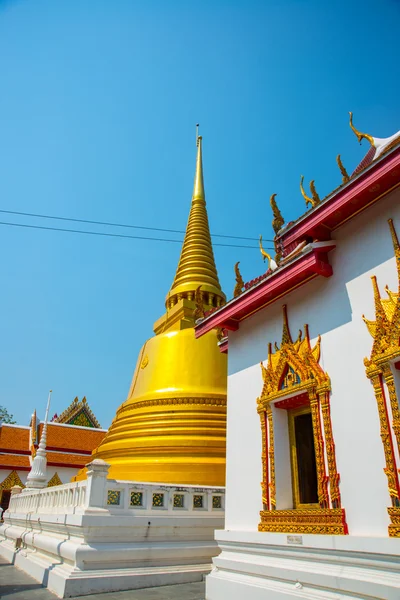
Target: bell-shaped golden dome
[(172, 427)]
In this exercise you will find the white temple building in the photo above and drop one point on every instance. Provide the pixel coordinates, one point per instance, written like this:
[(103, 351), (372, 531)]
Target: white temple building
[(313, 423)]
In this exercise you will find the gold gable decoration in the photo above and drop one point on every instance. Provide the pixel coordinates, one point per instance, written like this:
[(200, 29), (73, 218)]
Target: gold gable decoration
[(11, 480), (55, 480), (294, 367), (385, 331), (78, 413)]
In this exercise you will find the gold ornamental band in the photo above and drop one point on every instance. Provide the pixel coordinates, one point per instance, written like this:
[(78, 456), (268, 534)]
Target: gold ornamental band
[(175, 401), (327, 521)]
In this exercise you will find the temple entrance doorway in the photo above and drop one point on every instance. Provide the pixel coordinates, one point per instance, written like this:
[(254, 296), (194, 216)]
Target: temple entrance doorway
[(302, 451)]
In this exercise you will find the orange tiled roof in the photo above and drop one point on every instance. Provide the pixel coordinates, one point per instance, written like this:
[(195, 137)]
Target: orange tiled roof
[(73, 460), (72, 438), (13, 460), (14, 438)]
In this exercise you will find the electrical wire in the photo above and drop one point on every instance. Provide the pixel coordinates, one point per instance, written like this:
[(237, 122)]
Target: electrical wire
[(109, 224), (117, 235)]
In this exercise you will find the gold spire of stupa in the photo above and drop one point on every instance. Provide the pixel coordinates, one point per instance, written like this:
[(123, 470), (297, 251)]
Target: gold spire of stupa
[(196, 264), (171, 428)]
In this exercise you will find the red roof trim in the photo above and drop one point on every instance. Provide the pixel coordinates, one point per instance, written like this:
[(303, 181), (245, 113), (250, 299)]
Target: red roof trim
[(223, 346), (16, 452), (14, 468), (348, 201), (269, 290)]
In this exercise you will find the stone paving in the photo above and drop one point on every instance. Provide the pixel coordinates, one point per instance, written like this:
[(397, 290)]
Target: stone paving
[(16, 585)]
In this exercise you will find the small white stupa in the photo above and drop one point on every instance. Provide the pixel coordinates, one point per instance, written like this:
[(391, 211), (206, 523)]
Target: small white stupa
[(37, 477)]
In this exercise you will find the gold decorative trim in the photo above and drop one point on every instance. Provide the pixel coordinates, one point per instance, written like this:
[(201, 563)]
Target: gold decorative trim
[(314, 200), (74, 409), (330, 451), (271, 262), (394, 404), (265, 461), (328, 521), (345, 175), (55, 480), (174, 401), (11, 480), (278, 221), (394, 527), (271, 458), (323, 498), (239, 282), (294, 367), (385, 331), (360, 136)]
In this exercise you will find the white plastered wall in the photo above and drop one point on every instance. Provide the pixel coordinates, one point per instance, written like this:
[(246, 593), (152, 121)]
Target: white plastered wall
[(333, 308)]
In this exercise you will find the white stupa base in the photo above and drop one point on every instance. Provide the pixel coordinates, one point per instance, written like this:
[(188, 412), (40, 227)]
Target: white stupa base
[(275, 566), (105, 535)]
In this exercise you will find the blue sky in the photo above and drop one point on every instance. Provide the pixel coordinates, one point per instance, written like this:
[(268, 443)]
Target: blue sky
[(98, 106)]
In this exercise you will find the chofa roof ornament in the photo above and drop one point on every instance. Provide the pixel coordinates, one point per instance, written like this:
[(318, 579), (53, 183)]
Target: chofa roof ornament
[(360, 136), (314, 200)]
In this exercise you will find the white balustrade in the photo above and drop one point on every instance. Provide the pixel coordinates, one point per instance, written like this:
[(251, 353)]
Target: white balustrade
[(63, 499), (98, 494)]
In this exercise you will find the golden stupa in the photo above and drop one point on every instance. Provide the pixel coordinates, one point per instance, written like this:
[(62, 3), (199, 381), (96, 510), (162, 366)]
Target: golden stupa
[(172, 426)]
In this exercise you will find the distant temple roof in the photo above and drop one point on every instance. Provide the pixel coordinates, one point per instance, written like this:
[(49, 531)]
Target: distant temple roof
[(78, 413)]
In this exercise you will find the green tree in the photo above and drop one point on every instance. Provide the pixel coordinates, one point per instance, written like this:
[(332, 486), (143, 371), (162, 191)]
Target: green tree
[(5, 416)]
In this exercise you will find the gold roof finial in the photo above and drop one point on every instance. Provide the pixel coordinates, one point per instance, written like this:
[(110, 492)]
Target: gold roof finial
[(360, 135), (286, 337), (197, 264), (396, 247), (343, 171), (198, 188), (239, 282), (314, 199), (278, 221)]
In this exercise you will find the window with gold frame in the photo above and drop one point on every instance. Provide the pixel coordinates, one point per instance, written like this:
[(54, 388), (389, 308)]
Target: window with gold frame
[(294, 381)]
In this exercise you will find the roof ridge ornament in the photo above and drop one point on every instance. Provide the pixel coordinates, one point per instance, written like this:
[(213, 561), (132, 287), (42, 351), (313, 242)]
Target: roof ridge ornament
[(360, 136), (343, 171), (239, 281), (278, 221), (314, 200)]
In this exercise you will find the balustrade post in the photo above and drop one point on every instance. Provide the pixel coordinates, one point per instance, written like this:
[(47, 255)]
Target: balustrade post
[(96, 486), (16, 489)]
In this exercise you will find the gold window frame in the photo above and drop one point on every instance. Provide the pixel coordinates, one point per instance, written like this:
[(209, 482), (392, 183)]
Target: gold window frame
[(385, 331), (328, 517)]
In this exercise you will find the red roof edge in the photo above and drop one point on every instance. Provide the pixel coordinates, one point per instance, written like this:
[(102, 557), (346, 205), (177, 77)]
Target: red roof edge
[(370, 185), (223, 346), (302, 269)]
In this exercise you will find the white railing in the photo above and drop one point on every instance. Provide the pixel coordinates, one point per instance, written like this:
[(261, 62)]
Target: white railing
[(99, 494), (58, 499)]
